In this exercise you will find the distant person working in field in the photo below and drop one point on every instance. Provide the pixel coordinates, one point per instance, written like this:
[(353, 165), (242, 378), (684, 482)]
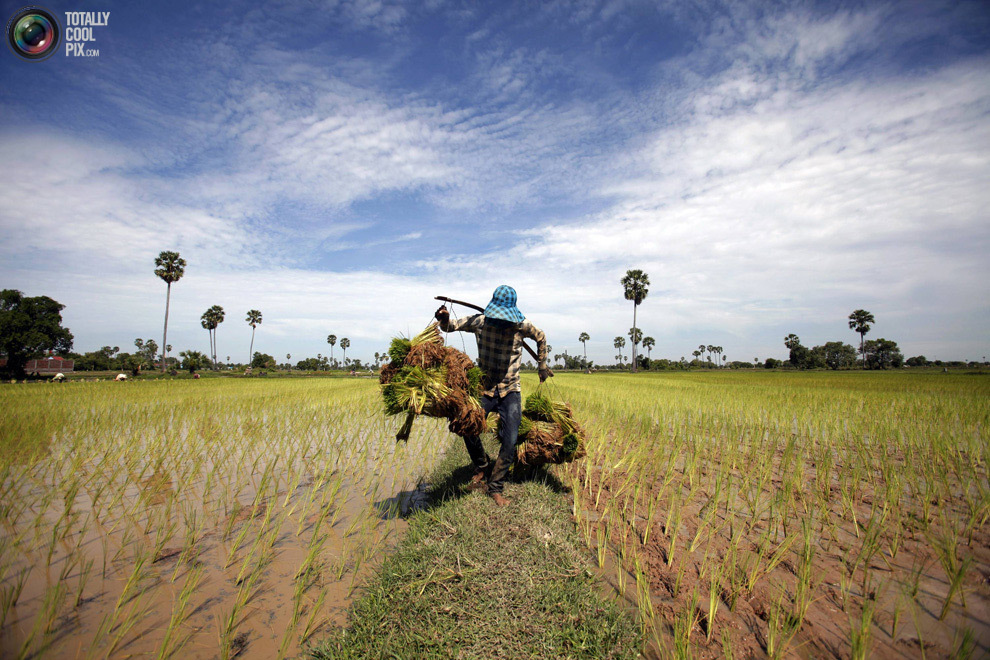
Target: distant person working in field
[(500, 332)]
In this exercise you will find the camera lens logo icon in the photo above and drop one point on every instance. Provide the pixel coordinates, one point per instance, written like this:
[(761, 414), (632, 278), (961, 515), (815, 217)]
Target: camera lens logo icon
[(33, 33)]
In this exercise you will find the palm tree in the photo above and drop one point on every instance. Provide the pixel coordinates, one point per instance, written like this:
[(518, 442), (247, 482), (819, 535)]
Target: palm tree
[(206, 320), (331, 339), (635, 282), (170, 267), (696, 354), (253, 319), (619, 343), (860, 322), (583, 338), (210, 319), (710, 349), (345, 343), (648, 344), (288, 360), (718, 352)]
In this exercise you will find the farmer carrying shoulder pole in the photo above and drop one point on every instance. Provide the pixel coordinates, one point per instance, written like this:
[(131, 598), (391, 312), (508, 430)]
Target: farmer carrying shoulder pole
[(499, 331)]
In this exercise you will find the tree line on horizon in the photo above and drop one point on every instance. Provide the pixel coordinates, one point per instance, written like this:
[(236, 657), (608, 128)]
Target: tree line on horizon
[(31, 327)]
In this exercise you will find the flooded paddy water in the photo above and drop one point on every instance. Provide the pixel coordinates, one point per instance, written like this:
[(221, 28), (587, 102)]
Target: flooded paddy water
[(210, 518)]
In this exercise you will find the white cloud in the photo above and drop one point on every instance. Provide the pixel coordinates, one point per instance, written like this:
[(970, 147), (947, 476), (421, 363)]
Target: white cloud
[(773, 195)]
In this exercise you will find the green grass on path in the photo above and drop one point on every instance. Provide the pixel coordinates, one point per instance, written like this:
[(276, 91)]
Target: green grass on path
[(472, 580)]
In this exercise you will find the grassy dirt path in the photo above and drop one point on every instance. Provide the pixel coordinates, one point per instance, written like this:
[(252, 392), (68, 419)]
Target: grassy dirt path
[(472, 580)]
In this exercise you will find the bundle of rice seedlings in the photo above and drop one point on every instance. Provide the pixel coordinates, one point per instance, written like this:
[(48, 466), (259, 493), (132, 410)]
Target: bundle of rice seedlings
[(425, 377), (548, 432)]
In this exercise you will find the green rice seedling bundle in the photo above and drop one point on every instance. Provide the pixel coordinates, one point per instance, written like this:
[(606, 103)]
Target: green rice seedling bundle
[(425, 377), (548, 432)]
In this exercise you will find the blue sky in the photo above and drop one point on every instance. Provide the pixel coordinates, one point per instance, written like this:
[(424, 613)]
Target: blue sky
[(337, 164)]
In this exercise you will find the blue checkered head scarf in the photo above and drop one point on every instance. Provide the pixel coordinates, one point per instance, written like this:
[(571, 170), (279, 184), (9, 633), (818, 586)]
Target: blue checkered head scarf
[(503, 306)]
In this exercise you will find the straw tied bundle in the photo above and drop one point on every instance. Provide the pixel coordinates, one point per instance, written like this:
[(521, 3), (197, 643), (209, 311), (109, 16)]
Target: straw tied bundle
[(425, 377)]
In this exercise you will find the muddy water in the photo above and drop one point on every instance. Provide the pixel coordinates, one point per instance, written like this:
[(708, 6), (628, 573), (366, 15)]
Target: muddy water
[(175, 543)]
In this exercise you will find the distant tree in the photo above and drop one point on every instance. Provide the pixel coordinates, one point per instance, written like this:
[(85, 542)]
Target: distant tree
[(210, 319), (583, 338), (835, 354), (916, 361), (193, 360), (147, 352), (860, 321), (309, 364), (710, 349), (332, 340), (634, 283), (696, 354), (262, 361), (648, 344), (28, 328), (800, 356), (635, 336), (170, 268), (619, 343), (254, 320), (345, 343), (772, 363), (882, 354)]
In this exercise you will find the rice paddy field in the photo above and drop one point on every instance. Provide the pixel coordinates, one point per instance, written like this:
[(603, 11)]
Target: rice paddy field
[(791, 514), (218, 517), (736, 514)]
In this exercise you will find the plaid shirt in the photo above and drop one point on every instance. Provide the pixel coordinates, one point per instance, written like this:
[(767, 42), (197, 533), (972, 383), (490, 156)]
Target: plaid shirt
[(500, 349)]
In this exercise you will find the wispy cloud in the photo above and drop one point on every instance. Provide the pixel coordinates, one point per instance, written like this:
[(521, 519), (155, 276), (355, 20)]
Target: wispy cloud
[(770, 168)]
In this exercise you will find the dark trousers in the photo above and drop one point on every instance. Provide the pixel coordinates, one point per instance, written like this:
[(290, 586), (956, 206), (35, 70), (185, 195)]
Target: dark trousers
[(509, 409)]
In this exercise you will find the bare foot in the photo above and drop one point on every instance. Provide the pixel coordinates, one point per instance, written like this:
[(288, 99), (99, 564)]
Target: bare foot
[(500, 500)]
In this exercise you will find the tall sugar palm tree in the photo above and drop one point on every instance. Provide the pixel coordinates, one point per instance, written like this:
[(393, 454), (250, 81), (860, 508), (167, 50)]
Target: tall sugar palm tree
[(331, 339), (635, 337), (710, 349), (206, 320), (648, 344), (210, 319), (583, 338), (619, 343), (170, 267), (634, 283), (860, 321), (345, 343), (254, 320)]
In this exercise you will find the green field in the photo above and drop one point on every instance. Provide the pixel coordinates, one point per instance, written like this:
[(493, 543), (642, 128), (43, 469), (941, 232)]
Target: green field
[(816, 514)]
